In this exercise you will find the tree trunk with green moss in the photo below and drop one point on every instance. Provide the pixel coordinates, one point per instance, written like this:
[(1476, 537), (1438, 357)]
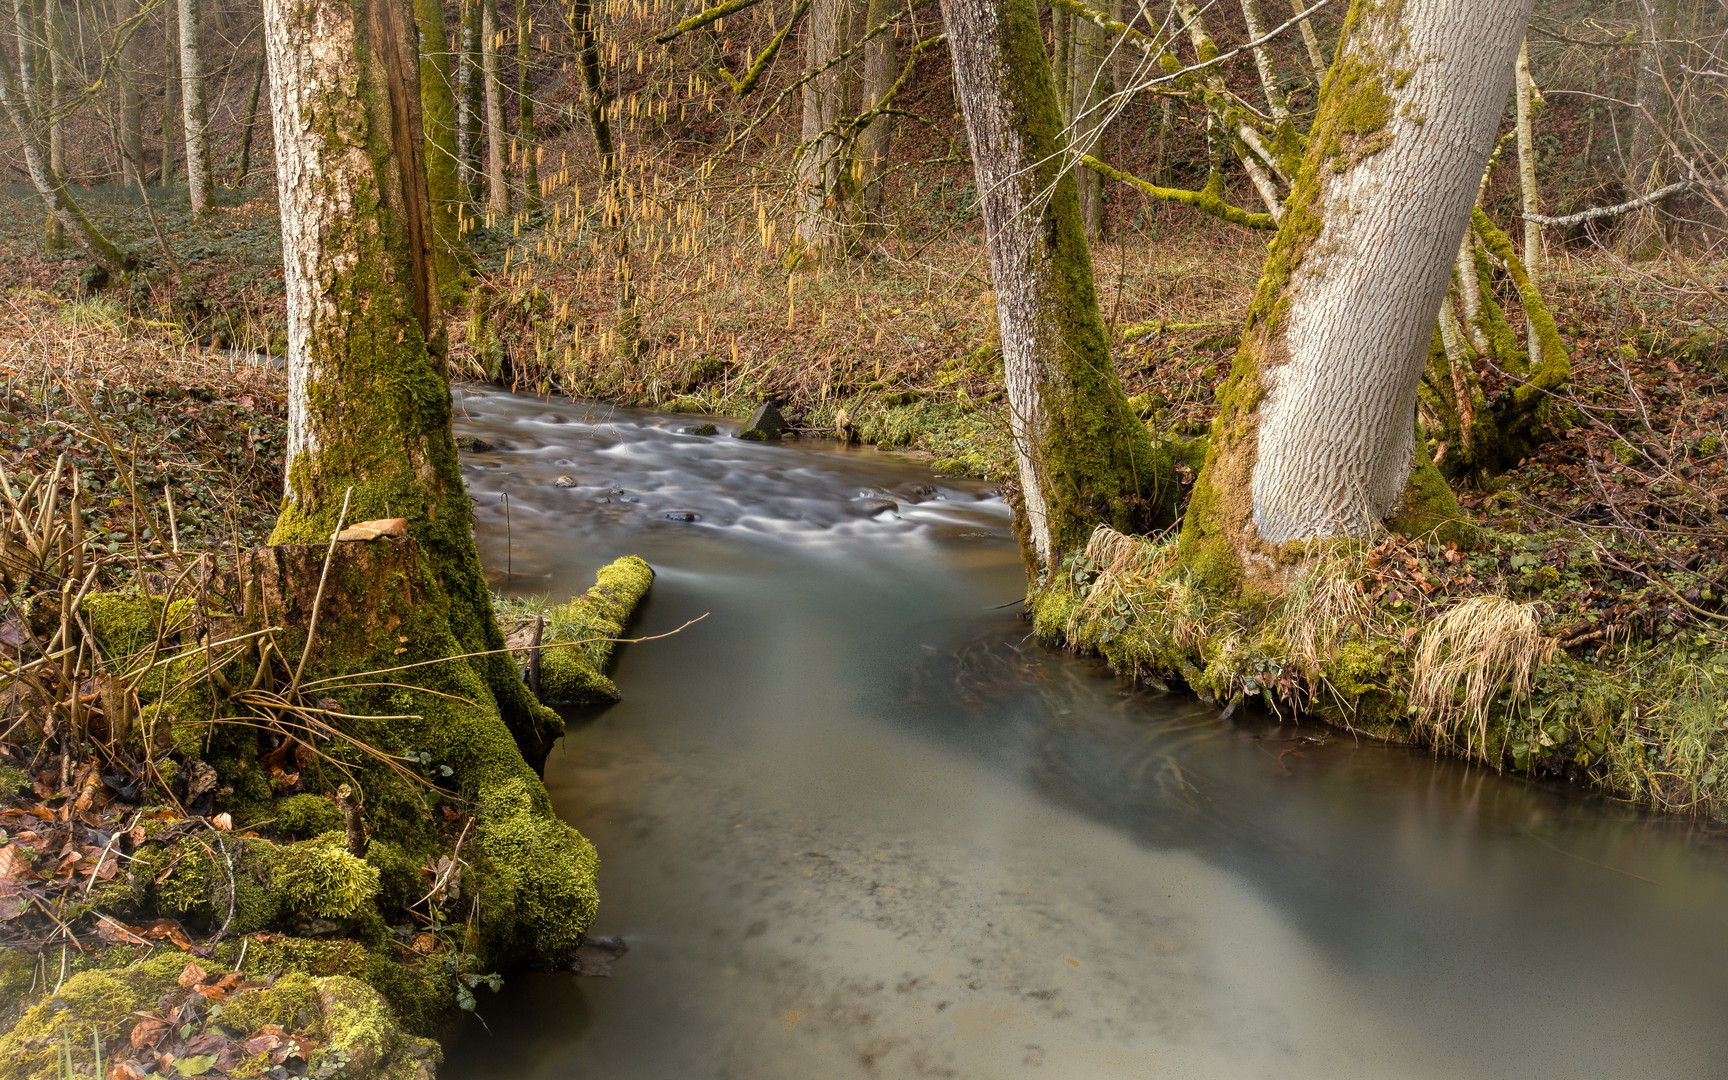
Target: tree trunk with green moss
[(51, 187), (443, 181), (369, 398), (1083, 457), (873, 141), (1315, 432)]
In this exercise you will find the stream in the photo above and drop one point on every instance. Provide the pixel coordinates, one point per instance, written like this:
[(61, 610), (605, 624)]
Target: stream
[(856, 823)]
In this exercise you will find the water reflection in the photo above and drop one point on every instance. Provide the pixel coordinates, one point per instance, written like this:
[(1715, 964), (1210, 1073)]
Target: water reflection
[(856, 824)]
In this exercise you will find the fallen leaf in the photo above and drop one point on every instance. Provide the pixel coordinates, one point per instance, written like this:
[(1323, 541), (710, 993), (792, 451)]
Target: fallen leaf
[(210, 993), (195, 1065), (147, 1032), (115, 932), (191, 975), (169, 929), (14, 867), (223, 822)]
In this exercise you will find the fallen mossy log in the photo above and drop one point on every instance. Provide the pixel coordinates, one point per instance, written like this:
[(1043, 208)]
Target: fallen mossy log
[(565, 652)]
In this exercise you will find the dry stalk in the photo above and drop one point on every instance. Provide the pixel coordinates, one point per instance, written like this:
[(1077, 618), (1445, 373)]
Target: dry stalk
[(1480, 648)]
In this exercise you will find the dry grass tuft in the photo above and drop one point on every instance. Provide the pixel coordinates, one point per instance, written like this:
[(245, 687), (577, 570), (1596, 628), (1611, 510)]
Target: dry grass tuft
[(1325, 606), (1482, 646)]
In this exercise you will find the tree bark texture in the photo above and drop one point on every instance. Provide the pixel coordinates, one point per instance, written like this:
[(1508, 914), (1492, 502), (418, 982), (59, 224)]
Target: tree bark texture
[(1315, 432), (172, 123), (54, 32), (469, 103), (369, 398), (438, 109), (1086, 116), (251, 122), (1082, 455), (822, 196), (873, 141), (497, 185), (1650, 121), (194, 107), (129, 70), (1524, 89)]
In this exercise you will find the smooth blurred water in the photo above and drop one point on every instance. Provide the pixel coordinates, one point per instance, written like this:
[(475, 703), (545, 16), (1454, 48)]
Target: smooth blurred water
[(855, 823)]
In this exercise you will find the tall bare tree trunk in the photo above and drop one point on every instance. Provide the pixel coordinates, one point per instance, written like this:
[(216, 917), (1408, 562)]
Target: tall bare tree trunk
[(1524, 89), (822, 198), (199, 183), (130, 69), (527, 143), (251, 121), (470, 104), (1082, 455), (54, 32), (443, 180), (596, 107), (1263, 61), (497, 186), (879, 73), (172, 123), (1086, 115), (1315, 432), (1645, 171)]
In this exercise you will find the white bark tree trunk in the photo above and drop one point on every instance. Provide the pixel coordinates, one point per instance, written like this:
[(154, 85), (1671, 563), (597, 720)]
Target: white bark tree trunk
[(1524, 87), (1082, 455), (196, 113), (1335, 422), (1311, 41), (1316, 425)]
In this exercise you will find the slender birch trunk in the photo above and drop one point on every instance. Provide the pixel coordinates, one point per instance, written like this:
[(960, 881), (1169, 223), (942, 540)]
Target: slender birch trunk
[(527, 143), (822, 196), (195, 111), (873, 142), (1645, 172), (1315, 432), (54, 33), (443, 182), (1256, 27), (469, 103), (129, 70), (1311, 42), (1524, 88), (1082, 455), (497, 186)]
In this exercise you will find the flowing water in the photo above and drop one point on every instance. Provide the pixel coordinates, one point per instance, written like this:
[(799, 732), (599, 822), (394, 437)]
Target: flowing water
[(854, 823)]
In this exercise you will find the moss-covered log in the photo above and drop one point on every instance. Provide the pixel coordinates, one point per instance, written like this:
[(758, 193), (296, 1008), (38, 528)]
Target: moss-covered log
[(579, 637)]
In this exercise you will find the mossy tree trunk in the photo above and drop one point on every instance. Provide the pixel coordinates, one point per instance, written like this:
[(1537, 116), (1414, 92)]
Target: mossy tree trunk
[(1082, 455), (195, 111), (51, 187), (527, 143), (443, 181), (823, 197), (369, 398), (1315, 431)]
